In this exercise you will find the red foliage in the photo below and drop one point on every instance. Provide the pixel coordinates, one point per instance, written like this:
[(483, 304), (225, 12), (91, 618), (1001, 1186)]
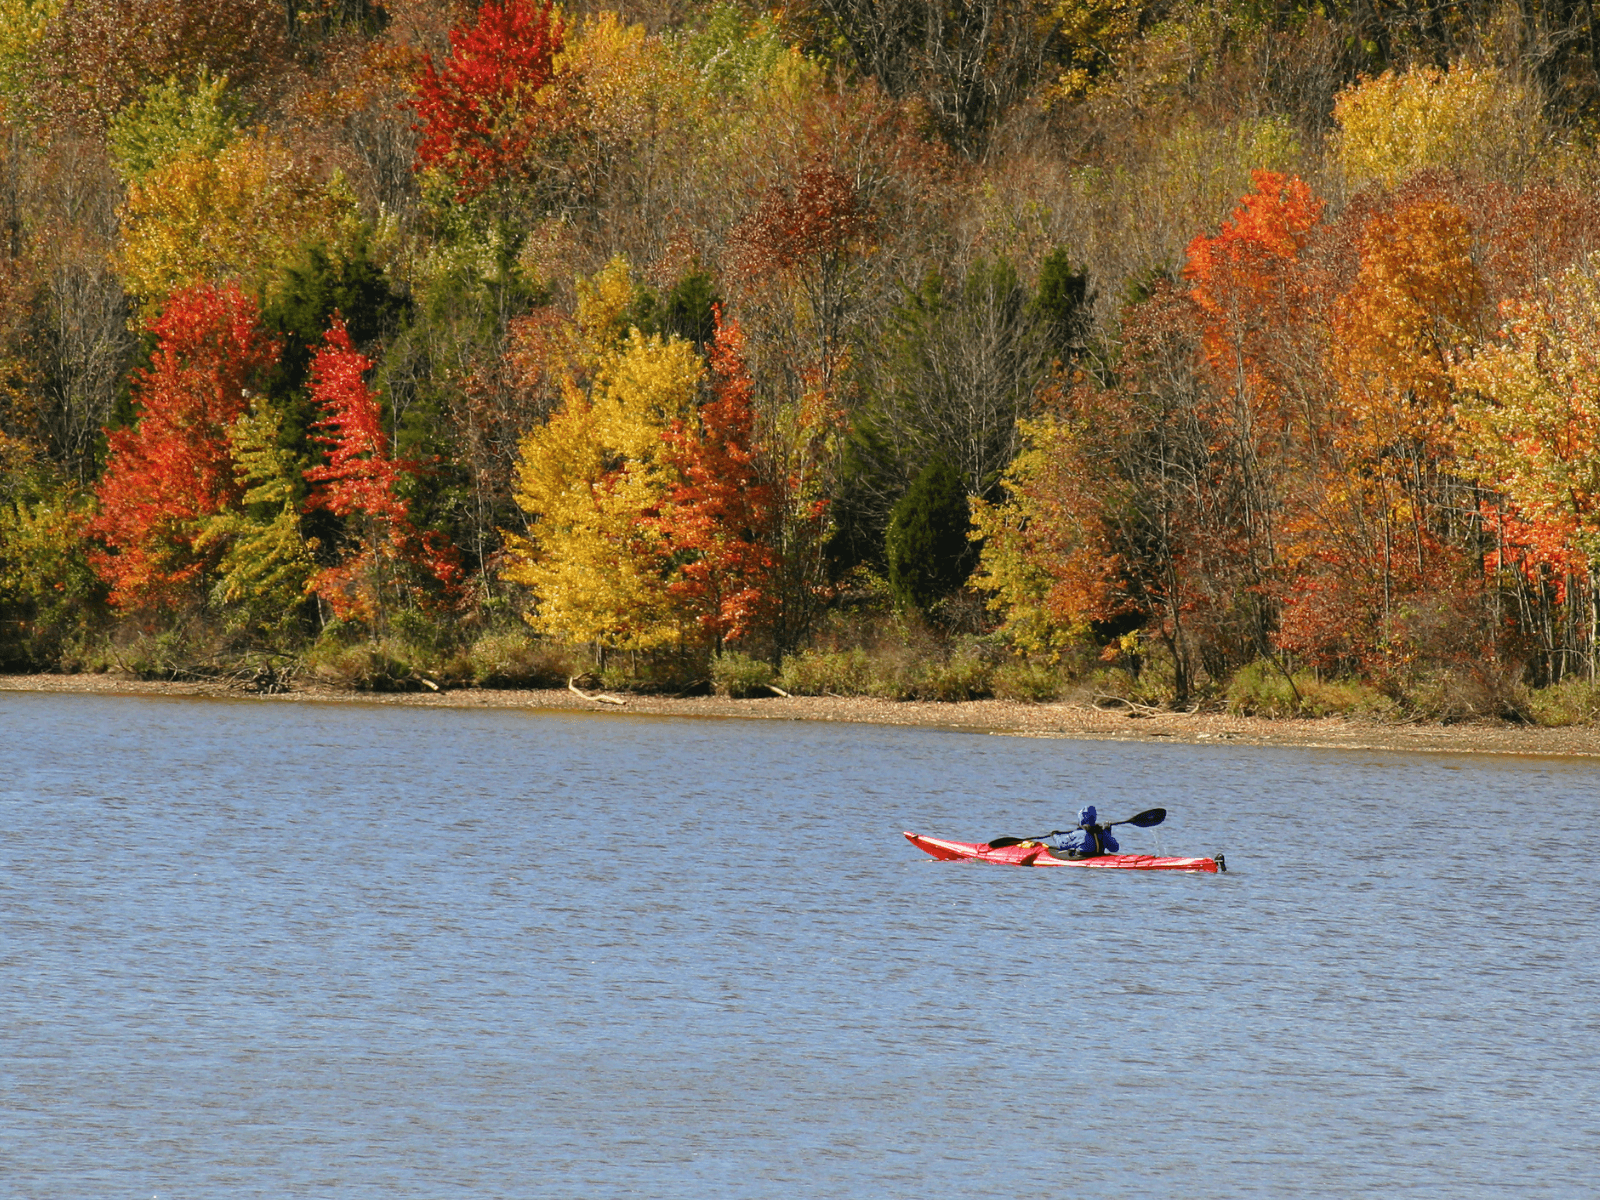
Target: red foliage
[(821, 216), (173, 469), (481, 115), (360, 476), (360, 481), (722, 517)]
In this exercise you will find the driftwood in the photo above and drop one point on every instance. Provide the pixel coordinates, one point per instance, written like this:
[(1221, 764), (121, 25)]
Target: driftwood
[(1135, 709), (778, 691), (598, 697)]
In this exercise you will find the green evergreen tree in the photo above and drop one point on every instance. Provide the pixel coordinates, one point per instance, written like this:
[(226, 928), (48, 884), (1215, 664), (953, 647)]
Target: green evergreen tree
[(1062, 303), (688, 311), (302, 307), (927, 547)]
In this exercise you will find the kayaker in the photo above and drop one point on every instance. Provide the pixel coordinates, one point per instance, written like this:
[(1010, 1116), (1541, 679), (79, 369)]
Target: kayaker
[(1088, 840)]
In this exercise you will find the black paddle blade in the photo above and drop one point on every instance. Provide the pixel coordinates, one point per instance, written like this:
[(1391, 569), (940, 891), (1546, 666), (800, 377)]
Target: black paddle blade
[(1146, 819)]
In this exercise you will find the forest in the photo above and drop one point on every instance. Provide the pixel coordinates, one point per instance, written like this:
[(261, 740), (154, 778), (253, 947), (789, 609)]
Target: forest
[(1174, 353)]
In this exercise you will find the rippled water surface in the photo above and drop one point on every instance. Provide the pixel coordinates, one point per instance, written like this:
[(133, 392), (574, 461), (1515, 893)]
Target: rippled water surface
[(306, 950)]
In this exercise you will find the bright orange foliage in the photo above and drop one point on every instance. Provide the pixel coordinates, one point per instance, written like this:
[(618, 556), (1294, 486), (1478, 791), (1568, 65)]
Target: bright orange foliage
[(722, 517), (1418, 296), (1250, 282)]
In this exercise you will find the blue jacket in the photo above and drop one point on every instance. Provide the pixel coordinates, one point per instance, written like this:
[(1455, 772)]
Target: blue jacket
[(1089, 839), (1084, 843)]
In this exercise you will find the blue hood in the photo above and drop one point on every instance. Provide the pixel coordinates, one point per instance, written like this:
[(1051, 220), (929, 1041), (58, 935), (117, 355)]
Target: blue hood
[(1086, 816)]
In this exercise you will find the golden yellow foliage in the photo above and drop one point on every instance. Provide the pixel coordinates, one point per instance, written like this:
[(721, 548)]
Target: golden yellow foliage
[(624, 78), (266, 566), (591, 476), (242, 214), (1094, 32), (1416, 300), (1400, 123)]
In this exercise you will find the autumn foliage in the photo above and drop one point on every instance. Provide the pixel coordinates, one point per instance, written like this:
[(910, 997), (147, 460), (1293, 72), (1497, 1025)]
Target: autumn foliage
[(484, 112), (172, 469), (720, 521), (700, 337), (361, 482)]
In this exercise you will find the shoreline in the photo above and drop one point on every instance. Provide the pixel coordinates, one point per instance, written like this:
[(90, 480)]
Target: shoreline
[(1071, 719)]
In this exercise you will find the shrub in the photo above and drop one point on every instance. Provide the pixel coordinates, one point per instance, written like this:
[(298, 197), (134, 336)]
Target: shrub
[(1028, 680), (1573, 701), (739, 676), (889, 672), (365, 667), (1260, 690), (1465, 694), (965, 675), (513, 660), (821, 672)]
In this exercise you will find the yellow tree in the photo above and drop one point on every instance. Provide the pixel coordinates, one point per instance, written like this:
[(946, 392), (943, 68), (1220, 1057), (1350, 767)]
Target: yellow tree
[(1426, 119), (592, 477), (1037, 542), (242, 214)]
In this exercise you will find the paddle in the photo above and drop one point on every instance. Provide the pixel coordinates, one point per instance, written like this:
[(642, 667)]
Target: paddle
[(1144, 820)]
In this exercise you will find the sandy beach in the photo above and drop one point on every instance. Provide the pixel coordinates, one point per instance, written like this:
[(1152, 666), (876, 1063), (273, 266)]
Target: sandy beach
[(1071, 718)]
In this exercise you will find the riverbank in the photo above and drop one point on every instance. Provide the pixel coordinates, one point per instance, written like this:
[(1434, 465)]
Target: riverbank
[(1069, 718)]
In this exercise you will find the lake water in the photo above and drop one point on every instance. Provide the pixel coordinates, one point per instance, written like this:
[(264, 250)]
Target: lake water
[(339, 950)]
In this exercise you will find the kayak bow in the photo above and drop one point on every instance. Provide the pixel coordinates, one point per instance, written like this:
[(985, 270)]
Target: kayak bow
[(1037, 854)]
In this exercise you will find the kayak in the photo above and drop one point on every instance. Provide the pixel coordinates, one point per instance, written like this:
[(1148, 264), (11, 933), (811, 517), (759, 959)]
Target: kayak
[(1037, 854)]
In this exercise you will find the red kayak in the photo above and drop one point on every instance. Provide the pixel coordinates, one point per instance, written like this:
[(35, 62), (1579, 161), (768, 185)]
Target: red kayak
[(1037, 854)]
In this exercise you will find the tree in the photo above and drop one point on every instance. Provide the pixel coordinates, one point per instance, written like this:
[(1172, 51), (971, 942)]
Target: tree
[(1423, 118), (720, 521), (170, 121), (969, 61), (244, 214), (1530, 418), (98, 54), (957, 369), (172, 471), (594, 478), (1374, 547), (928, 549), (484, 115), (264, 574), (48, 590), (1061, 303), (361, 482), (1262, 333)]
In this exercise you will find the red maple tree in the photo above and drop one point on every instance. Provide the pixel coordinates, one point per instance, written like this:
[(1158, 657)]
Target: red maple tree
[(720, 520), (360, 482), (481, 114), (173, 468)]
